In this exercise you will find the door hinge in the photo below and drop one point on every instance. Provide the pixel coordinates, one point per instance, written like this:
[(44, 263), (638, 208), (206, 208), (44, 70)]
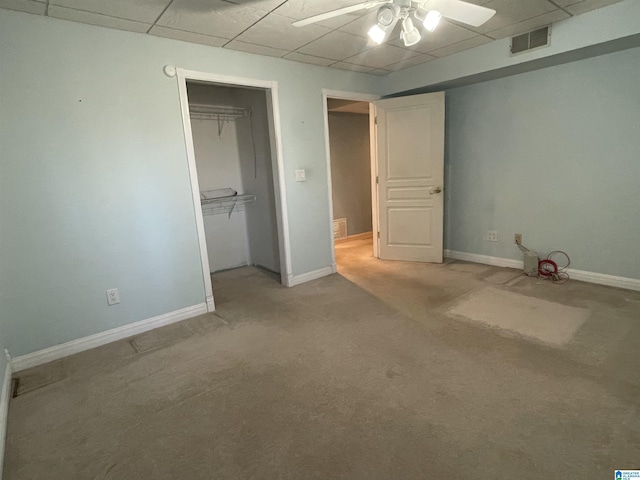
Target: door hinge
[(378, 234), (375, 120), (377, 181)]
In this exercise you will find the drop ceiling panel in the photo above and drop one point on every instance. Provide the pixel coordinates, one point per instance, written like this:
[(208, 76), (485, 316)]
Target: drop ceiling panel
[(594, 3), (188, 36), (336, 45), (509, 12), (446, 34), (381, 56), (24, 6), (268, 5), (528, 25), (299, 57), (588, 5), (417, 60), (97, 19), (146, 11), (275, 31), (210, 17), (257, 49), (461, 46), (264, 27), (361, 25), (352, 67)]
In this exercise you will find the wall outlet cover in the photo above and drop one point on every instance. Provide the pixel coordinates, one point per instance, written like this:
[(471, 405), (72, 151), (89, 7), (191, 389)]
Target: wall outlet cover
[(492, 236), (113, 296), (301, 176)]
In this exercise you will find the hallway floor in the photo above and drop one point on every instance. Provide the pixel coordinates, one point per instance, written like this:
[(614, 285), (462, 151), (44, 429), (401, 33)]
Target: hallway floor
[(387, 370)]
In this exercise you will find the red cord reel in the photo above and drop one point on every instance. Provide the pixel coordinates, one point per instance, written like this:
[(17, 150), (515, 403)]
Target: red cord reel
[(547, 268)]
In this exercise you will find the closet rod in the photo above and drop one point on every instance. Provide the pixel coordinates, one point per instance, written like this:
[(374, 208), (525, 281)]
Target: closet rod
[(222, 112)]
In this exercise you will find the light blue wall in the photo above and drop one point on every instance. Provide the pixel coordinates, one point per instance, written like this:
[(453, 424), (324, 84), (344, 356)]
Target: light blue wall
[(554, 155), (95, 189)]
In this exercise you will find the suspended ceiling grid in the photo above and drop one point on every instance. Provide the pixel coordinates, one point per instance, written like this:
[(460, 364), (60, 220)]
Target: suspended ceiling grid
[(264, 27)]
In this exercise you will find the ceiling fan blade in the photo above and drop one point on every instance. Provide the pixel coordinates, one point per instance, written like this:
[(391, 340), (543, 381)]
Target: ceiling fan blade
[(460, 11), (339, 11)]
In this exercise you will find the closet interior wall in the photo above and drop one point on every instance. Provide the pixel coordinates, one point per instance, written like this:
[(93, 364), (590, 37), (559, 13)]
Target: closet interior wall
[(237, 154)]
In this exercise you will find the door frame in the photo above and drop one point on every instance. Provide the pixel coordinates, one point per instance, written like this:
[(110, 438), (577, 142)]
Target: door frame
[(275, 134), (359, 97)]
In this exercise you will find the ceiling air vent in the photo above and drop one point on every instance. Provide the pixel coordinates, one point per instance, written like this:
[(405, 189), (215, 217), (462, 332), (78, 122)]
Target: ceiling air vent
[(528, 41)]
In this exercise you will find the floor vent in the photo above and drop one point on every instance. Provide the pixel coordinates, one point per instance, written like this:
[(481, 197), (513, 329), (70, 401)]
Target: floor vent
[(528, 41), (339, 228)]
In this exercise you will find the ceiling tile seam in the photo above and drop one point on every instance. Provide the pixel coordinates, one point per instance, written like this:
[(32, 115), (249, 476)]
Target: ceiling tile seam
[(334, 30), (386, 67), (94, 13), (462, 25), (454, 44), (313, 56), (552, 2), (514, 24), (369, 66), (355, 65), (160, 16), (254, 23), (185, 31), (255, 45), (337, 29), (287, 52), (419, 52)]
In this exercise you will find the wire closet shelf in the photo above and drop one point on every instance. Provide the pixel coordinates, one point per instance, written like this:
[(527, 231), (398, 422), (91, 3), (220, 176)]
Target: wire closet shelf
[(221, 113)]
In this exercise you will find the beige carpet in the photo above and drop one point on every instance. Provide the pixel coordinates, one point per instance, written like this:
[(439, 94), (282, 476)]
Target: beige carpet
[(359, 376), (549, 322)]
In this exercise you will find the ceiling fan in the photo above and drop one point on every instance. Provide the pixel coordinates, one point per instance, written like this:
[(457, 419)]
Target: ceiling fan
[(428, 12)]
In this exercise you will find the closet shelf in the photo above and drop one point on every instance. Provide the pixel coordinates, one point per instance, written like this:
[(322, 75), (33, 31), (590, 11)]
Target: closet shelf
[(217, 112), (213, 206)]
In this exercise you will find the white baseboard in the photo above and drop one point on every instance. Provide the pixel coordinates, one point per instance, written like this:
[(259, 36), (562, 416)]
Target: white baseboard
[(484, 259), (80, 345), (5, 397), (603, 279), (294, 280), (581, 275)]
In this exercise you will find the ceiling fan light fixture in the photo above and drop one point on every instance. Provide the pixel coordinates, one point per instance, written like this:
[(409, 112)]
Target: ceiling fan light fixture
[(431, 20), (420, 14), (377, 34), (410, 34), (386, 15)]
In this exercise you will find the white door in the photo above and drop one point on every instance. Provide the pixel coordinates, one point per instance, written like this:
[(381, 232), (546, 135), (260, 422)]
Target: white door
[(410, 153)]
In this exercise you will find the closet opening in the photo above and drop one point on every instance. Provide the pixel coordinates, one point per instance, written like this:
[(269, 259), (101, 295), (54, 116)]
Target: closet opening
[(352, 181), (234, 167)]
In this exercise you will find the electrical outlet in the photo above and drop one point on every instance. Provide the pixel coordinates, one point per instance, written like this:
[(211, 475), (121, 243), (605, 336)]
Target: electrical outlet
[(518, 238), (301, 176), (113, 296), (492, 236)]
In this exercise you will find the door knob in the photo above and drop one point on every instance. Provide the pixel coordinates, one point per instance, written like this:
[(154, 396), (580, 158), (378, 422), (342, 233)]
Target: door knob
[(435, 190)]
